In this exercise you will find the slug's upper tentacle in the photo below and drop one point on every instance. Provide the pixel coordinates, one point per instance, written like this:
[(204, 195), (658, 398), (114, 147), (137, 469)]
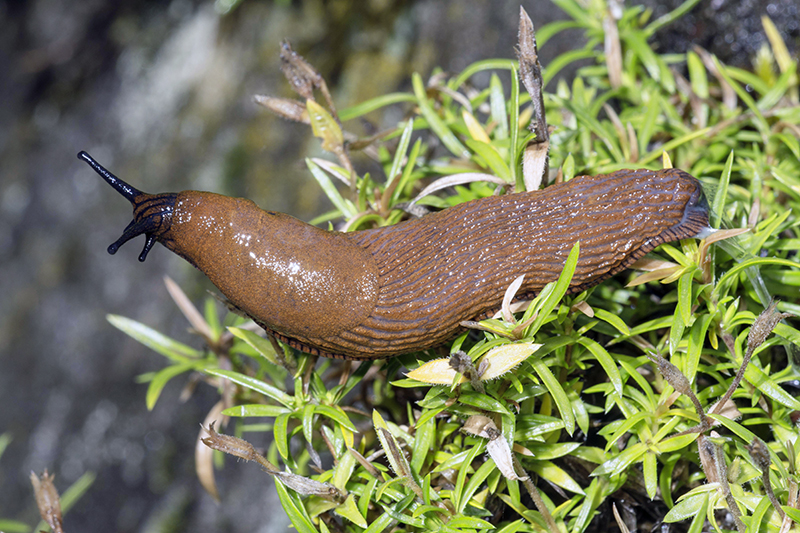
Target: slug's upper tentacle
[(152, 213)]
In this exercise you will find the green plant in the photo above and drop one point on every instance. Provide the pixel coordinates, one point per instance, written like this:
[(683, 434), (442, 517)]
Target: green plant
[(585, 413)]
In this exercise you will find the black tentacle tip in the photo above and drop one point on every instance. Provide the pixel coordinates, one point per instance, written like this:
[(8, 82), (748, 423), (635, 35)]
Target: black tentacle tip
[(148, 245)]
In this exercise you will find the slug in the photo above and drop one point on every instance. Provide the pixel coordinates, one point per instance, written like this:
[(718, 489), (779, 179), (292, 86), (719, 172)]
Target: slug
[(383, 292)]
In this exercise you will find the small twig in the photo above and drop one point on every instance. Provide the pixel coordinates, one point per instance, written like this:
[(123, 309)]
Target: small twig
[(536, 497), (244, 450), (681, 384), (722, 479), (534, 160), (761, 328), (461, 363), (760, 455)]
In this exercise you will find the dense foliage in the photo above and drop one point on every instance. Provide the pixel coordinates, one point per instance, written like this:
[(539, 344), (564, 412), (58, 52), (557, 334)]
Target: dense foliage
[(592, 415)]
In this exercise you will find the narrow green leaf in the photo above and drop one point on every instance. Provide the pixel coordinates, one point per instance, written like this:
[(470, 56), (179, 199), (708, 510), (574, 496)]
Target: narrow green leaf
[(478, 66), (380, 523), (160, 380), (614, 320), (253, 384), (689, 507), (650, 471), (558, 291), (459, 498), (618, 464), (555, 474), (697, 75), (343, 471), (756, 261), (760, 122), (255, 341), (648, 126), (515, 151), (349, 511), (363, 108), (490, 156), (765, 384), (476, 481), (337, 414), (605, 360), (255, 409), (557, 392), (169, 348), (294, 510), (684, 307), (696, 342), (699, 519), (346, 207), (439, 128), (408, 170), (497, 107), (15, 526), (281, 432), (400, 153), (672, 144), (423, 443)]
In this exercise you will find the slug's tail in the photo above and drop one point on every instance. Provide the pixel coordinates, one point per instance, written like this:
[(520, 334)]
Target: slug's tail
[(152, 213)]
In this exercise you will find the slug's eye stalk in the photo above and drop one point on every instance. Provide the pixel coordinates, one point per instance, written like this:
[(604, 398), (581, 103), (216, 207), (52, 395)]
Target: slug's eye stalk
[(152, 213)]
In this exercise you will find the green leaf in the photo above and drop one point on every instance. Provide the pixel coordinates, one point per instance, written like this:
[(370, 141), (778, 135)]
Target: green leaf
[(765, 384), (555, 474), (346, 207), (423, 443), (618, 464), (160, 380), (476, 481), (336, 414), (171, 349), (281, 432), (400, 152), (515, 150), (380, 523), (700, 518), (489, 154), (261, 345), (15, 526), (605, 360), (439, 128), (255, 409), (689, 507), (615, 320), (460, 499), (349, 510), (497, 106), (253, 384), (557, 392), (478, 66), (554, 296), (650, 471), (294, 509), (470, 522), (369, 106)]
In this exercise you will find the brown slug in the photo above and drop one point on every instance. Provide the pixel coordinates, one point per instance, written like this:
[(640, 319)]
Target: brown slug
[(383, 292)]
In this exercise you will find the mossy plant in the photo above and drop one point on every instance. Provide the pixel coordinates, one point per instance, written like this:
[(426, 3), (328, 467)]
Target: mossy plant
[(614, 400)]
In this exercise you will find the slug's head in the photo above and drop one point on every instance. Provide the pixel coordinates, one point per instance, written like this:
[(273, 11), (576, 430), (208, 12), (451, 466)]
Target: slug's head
[(152, 213)]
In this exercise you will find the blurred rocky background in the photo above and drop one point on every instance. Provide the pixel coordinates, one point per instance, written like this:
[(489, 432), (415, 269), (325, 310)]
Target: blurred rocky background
[(161, 93)]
